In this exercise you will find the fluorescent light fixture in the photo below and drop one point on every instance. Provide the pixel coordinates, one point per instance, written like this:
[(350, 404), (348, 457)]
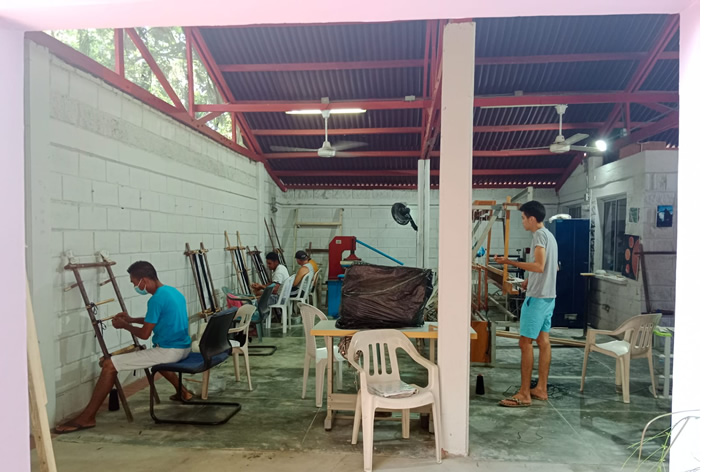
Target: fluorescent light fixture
[(601, 145), (336, 111)]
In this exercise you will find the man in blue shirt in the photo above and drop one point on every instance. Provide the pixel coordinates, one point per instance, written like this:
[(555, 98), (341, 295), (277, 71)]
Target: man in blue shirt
[(168, 323)]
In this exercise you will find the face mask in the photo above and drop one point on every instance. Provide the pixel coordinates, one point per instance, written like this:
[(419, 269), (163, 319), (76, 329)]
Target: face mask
[(139, 290)]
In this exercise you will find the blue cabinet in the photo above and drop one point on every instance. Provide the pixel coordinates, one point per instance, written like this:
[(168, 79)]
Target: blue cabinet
[(573, 238)]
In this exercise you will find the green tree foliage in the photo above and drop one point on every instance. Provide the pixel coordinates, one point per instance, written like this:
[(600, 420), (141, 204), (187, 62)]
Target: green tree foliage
[(168, 46)]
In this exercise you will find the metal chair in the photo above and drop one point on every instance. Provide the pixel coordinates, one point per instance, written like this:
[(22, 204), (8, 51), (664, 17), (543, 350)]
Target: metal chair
[(214, 348)]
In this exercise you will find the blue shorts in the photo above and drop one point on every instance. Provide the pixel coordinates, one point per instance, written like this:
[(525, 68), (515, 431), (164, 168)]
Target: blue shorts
[(536, 316)]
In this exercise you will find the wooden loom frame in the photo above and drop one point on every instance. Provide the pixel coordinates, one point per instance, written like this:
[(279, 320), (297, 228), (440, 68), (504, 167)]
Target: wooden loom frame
[(485, 213)]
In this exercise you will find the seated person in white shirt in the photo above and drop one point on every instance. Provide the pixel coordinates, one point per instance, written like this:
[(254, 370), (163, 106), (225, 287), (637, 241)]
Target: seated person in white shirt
[(280, 275)]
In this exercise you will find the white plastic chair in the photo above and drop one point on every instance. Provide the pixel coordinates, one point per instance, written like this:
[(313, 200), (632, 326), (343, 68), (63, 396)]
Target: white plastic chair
[(378, 367), (283, 301), (636, 343), (303, 292), (318, 354), (312, 298), (245, 313)]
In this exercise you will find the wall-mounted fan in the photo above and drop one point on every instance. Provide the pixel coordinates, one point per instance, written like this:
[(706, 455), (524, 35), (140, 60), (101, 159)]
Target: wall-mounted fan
[(327, 149), (402, 215)]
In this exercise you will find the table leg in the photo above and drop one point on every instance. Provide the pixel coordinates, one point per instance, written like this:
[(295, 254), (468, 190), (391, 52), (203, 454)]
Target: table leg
[(668, 341), (329, 342)]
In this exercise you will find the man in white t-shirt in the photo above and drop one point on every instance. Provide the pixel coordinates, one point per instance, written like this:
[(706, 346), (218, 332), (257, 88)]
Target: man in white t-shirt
[(280, 275)]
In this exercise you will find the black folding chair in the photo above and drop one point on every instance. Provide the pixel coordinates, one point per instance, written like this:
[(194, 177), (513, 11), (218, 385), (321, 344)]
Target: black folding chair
[(214, 348), (259, 319)]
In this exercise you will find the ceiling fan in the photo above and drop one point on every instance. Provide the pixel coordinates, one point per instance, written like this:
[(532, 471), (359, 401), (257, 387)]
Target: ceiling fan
[(562, 145), (327, 149)]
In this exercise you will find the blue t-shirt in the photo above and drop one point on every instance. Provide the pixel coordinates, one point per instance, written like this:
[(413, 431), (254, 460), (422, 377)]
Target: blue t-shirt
[(167, 309)]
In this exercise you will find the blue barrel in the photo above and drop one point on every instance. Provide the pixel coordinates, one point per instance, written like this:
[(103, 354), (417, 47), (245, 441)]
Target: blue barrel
[(334, 296)]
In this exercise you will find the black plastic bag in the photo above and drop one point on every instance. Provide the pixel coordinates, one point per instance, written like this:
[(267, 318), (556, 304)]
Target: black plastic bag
[(376, 297)]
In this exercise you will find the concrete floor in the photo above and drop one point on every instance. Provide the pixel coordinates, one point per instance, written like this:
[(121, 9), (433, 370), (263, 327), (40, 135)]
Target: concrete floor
[(277, 430)]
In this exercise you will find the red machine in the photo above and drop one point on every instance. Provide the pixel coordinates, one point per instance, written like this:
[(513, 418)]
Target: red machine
[(336, 249)]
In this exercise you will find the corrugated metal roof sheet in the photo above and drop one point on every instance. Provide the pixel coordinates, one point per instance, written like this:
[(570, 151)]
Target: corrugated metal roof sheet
[(317, 43), (529, 36), (496, 37)]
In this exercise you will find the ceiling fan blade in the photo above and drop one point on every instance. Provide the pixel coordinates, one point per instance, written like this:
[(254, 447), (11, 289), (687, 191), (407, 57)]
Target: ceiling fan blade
[(345, 154), (344, 145), (575, 138), (290, 149), (588, 149)]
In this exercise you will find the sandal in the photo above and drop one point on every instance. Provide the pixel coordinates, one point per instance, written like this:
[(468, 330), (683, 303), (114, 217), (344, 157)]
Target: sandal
[(72, 424), (536, 397), (176, 398), (513, 402)]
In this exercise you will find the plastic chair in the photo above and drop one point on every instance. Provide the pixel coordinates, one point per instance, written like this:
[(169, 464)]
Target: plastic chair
[(312, 299), (214, 348), (637, 335), (318, 354), (381, 370), (303, 292), (246, 314), (283, 302)]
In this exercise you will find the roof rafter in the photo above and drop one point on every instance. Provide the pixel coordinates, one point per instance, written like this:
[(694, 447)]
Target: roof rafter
[(485, 102)]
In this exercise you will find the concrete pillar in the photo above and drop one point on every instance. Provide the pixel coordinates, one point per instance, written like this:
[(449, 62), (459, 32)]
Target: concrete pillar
[(41, 267), (423, 217), (261, 205), (455, 254), (689, 353), (14, 437)]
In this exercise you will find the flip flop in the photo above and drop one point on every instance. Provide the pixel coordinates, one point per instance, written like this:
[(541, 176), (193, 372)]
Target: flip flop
[(517, 403), (536, 397), (176, 398), (73, 424)]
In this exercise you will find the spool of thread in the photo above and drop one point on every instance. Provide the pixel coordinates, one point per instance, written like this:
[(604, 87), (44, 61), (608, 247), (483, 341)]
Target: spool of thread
[(113, 403), (479, 388)]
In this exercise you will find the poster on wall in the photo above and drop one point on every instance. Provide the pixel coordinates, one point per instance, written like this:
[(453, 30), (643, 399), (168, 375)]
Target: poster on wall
[(634, 215), (664, 216), (630, 264)]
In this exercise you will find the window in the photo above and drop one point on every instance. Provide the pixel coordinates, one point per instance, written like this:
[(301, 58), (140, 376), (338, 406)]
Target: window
[(575, 211), (613, 221)]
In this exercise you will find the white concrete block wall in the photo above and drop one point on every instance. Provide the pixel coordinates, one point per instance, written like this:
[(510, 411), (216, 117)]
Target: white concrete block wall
[(123, 178), (646, 179), (367, 215)]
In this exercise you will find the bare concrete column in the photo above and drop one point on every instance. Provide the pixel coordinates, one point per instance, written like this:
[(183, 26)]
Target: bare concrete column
[(423, 220), (455, 254)]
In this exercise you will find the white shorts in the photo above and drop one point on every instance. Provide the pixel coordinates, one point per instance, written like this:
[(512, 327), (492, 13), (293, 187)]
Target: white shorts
[(146, 358)]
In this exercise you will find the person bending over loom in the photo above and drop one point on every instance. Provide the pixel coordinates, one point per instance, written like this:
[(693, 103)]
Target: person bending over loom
[(280, 275), (168, 323)]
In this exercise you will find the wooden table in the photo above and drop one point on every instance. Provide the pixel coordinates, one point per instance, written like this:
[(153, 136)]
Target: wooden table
[(347, 401)]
